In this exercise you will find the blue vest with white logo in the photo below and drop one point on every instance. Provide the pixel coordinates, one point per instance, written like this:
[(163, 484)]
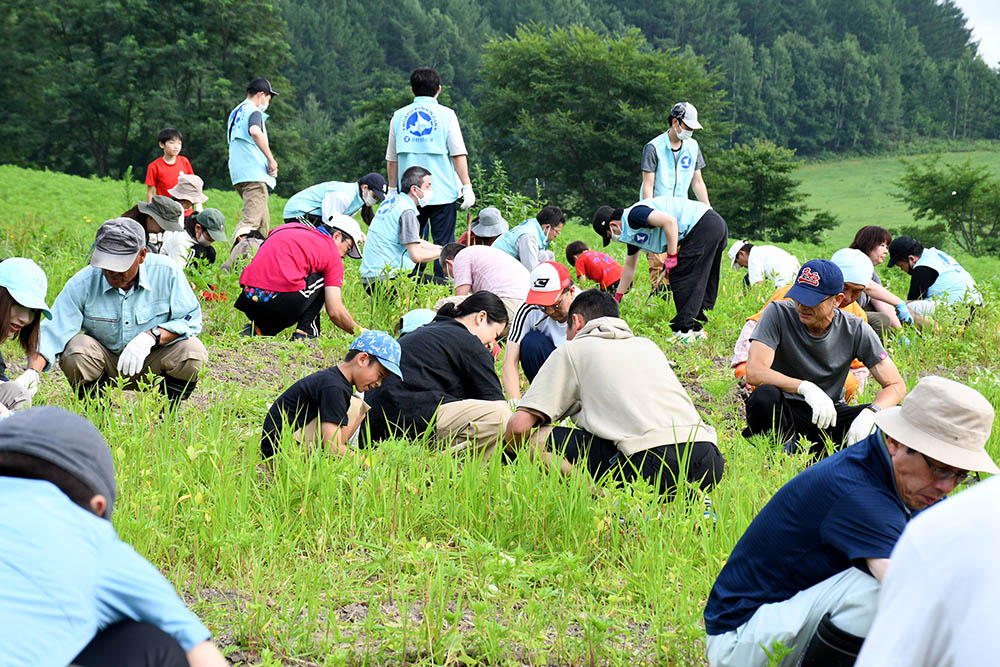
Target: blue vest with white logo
[(311, 199), (384, 255), (954, 284), (508, 240), (422, 140), (673, 179), (687, 211), (247, 163)]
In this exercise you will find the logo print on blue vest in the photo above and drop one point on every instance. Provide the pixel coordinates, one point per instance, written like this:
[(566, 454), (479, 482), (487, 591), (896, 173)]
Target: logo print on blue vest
[(686, 162), (641, 237), (420, 123)]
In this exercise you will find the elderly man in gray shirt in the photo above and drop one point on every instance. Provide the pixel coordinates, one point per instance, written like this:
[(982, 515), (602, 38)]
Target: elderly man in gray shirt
[(800, 354)]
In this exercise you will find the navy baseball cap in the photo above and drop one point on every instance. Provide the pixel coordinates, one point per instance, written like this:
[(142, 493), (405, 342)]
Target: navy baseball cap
[(818, 279)]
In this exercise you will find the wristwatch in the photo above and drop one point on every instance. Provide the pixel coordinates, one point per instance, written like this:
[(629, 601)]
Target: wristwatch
[(874, 408), (156, 332)]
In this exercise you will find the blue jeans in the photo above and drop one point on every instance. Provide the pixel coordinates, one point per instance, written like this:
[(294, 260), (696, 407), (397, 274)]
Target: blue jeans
[(535, 349)]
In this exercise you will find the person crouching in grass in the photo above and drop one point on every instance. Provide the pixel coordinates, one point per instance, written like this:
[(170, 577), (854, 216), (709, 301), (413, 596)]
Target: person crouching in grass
[(322, 406), (598, 266)]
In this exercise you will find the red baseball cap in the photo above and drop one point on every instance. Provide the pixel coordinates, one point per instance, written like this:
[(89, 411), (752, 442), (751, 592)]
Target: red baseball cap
[(548, 280)]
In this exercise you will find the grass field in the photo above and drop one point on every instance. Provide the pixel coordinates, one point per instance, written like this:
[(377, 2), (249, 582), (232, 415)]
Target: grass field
[(420, 557)]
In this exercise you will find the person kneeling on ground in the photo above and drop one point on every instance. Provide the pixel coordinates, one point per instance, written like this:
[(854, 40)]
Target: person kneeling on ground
[(161, 215), (23, 285), (322, 407), (394, 244), (800, 354), (658, 225), (484, 268), (885, 310), (449, 383), (529, 242), (935, 277), (539, 326), (485, 228), (194, 244), (298, 271), (600, 362), (806, 572), (764, 262), (70, 590), (598, 266), (129, 313)]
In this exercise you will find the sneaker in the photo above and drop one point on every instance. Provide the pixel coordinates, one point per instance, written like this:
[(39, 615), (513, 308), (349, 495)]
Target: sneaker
[(299, 334), (250, 330), (688, 337)]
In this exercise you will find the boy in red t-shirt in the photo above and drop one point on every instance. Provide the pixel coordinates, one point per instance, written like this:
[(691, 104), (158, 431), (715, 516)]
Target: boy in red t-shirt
[(597, 266), (163, 172)]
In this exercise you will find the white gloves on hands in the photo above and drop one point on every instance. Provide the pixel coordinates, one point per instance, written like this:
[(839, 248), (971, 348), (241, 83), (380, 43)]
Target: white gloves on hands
[(392, 192), (861, 427), (824, 412), (29, 381), (134, 355), (468, 197)]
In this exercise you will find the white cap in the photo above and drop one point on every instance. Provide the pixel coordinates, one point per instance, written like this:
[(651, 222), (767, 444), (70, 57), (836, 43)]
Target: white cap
[(735, 250), (856, 266), (687, 114), (349, 226)]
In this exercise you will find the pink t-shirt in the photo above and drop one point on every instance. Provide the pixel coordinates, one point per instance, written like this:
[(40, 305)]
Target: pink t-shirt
[(487, 268), (292, 252)]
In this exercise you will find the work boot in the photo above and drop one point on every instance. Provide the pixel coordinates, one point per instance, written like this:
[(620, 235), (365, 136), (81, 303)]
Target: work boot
[(831, 647), (177, 390)]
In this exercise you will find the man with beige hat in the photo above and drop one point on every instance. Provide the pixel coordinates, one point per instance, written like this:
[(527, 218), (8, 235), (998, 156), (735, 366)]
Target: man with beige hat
[(807, 571)]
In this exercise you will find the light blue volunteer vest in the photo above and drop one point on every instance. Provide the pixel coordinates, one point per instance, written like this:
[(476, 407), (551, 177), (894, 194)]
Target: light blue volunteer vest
[(311, 199), (508, 240), (673, 179), (687, 211), (954, 284), (247, 163), (384, 255), (422, 140)]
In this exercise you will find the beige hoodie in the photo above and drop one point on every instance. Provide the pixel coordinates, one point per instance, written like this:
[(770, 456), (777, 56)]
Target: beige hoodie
[(616, 386)]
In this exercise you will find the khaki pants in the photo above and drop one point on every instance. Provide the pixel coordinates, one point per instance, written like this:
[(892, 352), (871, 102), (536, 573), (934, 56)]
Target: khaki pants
[(255, 213), (510, 304), (312, 433), (85, 360), (472, 424), (13, 396)]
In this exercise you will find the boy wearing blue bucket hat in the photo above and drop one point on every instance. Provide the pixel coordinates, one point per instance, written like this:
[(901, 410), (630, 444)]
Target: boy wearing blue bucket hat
[(23, 285), (322, 406)]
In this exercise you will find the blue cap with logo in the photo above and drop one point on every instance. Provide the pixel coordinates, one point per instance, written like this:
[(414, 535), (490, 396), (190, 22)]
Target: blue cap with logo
[(26, 283), (383, 347), (818, 279)]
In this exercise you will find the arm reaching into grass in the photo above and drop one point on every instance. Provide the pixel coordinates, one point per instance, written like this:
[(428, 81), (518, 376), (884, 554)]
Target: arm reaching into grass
[(337, 311), (423, 251), (509, 373), (521, 431), (628, 275)]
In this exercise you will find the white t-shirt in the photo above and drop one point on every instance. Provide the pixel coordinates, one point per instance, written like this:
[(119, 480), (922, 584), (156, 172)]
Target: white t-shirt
[(768, 262), (533, 318), (937, 604), (177, 246)]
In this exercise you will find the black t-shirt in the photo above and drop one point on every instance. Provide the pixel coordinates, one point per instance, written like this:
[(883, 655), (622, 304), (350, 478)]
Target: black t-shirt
[(325, 394), (921, 278), (638, 218), (441, 362)]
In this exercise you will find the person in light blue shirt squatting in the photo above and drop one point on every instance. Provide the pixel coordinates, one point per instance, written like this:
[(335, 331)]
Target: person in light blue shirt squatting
[(393, 244), (659, 225), (320, 203), (935, 277), (129, 313), (427, 134), (252, 167), (671, 165), (70, 590), (23, 285), (529, 241)]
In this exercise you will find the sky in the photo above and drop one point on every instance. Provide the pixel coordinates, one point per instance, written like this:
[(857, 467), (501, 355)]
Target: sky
[(984, 19)]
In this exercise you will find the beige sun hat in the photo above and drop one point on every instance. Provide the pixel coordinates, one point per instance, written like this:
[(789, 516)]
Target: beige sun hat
[(946, 420), (189, 187)]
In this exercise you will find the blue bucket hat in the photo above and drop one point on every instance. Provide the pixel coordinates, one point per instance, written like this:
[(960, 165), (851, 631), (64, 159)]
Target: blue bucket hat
[(26, 282), (817, 280), (383, 347)]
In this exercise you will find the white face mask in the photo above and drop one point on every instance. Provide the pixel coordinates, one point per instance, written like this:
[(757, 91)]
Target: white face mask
[(426, 199), (684, 134), (369, 199), (205, 240)]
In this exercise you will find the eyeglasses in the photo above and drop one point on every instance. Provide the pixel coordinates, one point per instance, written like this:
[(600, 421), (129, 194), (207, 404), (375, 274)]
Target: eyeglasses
[(943, 474), (548, 310)]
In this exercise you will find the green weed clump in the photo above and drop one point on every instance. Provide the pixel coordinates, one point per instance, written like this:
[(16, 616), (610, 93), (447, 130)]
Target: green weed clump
[(406, 554)]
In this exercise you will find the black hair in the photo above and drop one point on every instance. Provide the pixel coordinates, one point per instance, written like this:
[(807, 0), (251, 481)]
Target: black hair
[(25, 466), (678, 111), (189, 223), (481, 300), (592, 304), (367, 212), (550, 215), (450, 251), (351, 354), (870, 237), (574, 250), (425, 81), (412, 176), (28, 335), (746, 248), (168, 133)]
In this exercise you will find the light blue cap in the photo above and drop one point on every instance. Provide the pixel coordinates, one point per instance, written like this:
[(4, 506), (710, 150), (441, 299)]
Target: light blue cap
[(416, 318), (26, 282), (383, 347)]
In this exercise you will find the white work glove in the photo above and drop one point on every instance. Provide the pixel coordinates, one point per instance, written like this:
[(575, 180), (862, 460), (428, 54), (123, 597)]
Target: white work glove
[(861, 427), (134, 355), (824, 412), (392, 192), (28, 380), (468, 197)]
